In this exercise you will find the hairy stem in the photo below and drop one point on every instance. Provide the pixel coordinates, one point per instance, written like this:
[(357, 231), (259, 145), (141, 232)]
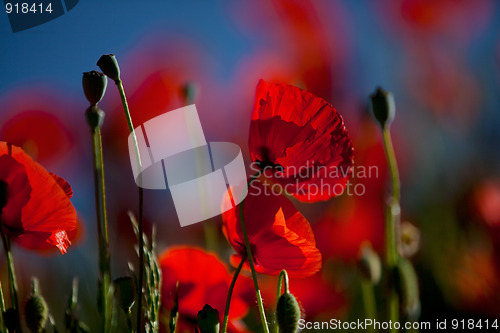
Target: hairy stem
[(230, 294)]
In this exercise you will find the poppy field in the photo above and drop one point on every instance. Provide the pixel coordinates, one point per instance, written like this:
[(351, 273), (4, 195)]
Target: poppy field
[(369, 135)]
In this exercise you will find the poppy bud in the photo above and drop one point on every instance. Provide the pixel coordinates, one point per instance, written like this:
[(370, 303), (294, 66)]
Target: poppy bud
[(369, 264), (125, 292), (208, 320), (288, 313), (95, 117), (4, 194), (94, 86), (383, 106), (109, 66), (406, 282), (189, 92), (35, 310)]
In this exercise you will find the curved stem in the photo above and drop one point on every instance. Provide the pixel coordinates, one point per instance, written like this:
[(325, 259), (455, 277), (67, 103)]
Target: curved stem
[(230, 293), (283, 276), (250, 261), (392, 222), (130, 125)]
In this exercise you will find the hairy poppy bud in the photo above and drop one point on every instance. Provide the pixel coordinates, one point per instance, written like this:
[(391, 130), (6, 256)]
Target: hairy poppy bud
[(288, 313), (125, 292), (35, 310), (109, 66), (208, 320), (95, 117), (94, 86), (4, 194), (383, 106), (369, 264)]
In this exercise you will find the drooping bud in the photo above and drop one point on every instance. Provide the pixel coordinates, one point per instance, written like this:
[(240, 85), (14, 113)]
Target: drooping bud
[(125, 292), (4, 194), (94, 86), (288, 313), (35, 310), (369, 264), (109, 66), (208, 320), (95, 117), (383, 106)]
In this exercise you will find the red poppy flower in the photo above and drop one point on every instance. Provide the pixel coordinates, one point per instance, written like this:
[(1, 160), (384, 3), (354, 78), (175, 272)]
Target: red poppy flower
[(280, 237), (302, 140), (203, 279), (38, 208)]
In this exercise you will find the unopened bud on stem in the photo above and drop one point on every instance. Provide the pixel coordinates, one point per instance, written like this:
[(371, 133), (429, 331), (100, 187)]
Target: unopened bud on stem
[(208, 320), (383, 106)]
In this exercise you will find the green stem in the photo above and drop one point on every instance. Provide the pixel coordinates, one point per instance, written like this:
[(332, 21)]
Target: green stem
[(392, 222), (283, 276), (369, 302), (230, 293), (250, 261), (130, 125), (102, 226), (2, 309), (12, 274)]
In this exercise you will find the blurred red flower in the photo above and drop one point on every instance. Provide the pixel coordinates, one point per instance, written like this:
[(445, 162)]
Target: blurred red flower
[(300, 142), (203, 279), (38, 208), (280, 237), (40, 125)]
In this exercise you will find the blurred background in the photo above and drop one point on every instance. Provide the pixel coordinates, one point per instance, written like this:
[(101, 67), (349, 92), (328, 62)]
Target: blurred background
[(441, 59)]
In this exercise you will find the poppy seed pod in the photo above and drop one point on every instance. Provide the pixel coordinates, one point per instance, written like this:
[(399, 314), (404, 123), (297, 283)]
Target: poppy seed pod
[(35, 310), (208, 320), (288, 313), (383, 106), (95, 117), (109, 66), (94, 86)]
